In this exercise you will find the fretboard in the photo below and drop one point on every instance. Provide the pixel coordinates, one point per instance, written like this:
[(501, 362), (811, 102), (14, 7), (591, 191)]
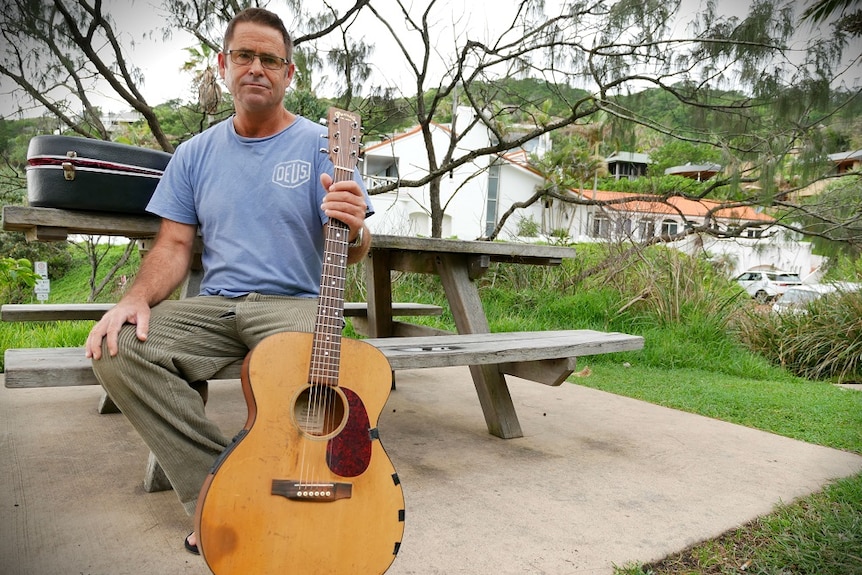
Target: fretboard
[(344, 138)]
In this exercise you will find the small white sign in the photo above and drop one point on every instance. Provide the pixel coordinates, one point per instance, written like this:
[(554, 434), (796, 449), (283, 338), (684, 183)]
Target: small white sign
[(42, 296), (41, 269), (42, 286)]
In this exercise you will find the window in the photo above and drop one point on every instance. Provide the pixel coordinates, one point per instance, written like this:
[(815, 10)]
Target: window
[(669, 228), (754, 232), (493, 200), (624, 228), (646, 229), (380, 171), (601, 227)]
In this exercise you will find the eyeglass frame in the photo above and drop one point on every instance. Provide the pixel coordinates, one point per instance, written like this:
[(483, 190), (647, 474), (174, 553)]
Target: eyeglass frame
[(260, 57)]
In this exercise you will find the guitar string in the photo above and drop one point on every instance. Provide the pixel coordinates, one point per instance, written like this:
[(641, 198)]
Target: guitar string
[(323, 412), (323, 378), (316, 408)]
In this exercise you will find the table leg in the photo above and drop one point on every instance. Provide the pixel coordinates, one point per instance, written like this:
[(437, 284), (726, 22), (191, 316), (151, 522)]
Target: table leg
[(469, 316), (379, 285)]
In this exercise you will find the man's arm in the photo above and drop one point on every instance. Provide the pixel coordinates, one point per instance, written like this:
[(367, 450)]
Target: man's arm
[(162, 270), (345, 202), (356, 253)]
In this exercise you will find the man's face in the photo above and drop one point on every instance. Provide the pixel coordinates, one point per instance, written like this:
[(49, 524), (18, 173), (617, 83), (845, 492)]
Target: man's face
[(255, 88)]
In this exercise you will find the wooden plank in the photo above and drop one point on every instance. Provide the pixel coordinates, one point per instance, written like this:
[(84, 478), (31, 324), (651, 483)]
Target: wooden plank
[(94, 311), (469, 315), (25, 218), (500, 348), (28, 219), (361, 326), (53, 312), (46, 234), (512, 252), (67, 366), (548, 371), (47, 367), (63, 367)]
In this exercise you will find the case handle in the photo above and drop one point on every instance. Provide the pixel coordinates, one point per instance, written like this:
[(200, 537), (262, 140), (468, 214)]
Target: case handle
[(69, 167)]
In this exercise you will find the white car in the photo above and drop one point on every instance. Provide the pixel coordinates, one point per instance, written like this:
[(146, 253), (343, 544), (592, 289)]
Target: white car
[(796, 298), (765, 285)]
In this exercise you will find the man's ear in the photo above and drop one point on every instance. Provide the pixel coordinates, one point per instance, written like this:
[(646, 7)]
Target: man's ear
[(290, 70), (222, 62)]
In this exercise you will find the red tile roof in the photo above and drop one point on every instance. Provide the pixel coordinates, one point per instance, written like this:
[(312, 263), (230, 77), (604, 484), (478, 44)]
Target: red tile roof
[(674, 206)]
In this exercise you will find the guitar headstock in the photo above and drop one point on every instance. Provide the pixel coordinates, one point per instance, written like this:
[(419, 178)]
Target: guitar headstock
[(345, 133)]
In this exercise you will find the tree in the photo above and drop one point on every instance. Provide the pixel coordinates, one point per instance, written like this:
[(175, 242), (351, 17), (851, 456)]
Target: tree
[(848, 21), (96, 253), (60, 52), (678, 152), (736, 72), (56, 52), (755, 96)]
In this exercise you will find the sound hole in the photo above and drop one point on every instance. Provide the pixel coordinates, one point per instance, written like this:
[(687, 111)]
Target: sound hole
[(320, 411)]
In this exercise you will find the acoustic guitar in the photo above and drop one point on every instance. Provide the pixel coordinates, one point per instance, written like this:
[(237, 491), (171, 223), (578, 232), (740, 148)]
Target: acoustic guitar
[(306, 488)]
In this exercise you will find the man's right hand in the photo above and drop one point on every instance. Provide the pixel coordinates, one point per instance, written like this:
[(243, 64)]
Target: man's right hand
[(161, 271), (136, 312)]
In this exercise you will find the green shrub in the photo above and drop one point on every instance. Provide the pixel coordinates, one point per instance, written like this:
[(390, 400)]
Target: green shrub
[(822, 341), (17, 278)]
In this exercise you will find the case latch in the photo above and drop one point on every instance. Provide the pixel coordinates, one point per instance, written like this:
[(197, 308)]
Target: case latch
[(69, 167)]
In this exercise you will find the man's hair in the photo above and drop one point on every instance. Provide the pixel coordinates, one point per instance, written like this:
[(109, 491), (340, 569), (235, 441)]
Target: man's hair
[(265, 18)]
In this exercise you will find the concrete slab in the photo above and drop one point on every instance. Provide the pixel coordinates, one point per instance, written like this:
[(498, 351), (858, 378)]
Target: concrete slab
[(598, 480)]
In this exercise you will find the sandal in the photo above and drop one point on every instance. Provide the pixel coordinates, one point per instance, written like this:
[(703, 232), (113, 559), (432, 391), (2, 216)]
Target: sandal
[(193, 549)]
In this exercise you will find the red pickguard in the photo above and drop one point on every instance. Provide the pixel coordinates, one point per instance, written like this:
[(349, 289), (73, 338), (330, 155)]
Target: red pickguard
[(349, 453)]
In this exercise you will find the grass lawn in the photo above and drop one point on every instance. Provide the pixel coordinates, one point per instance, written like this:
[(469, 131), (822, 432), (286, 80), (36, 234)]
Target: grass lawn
[(816, 412), (817, 535), (687, 365)]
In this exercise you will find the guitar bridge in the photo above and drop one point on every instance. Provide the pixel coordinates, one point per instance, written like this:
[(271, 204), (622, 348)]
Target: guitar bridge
[(315, 492)]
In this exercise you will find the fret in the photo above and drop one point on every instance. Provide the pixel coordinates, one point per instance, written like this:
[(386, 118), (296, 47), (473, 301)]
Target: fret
[(344, 137)]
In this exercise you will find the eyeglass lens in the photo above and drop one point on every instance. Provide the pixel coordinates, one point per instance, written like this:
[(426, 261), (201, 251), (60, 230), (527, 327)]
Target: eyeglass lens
[(245, 57)]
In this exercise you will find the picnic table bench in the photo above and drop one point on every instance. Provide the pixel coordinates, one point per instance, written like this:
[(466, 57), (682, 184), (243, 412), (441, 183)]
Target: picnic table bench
[(547, 357)]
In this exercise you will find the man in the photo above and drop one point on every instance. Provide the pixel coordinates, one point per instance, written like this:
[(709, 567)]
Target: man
[(262, 236)]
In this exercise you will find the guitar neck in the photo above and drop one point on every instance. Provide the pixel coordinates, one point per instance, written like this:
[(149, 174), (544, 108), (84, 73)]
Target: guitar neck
[(326, 346)]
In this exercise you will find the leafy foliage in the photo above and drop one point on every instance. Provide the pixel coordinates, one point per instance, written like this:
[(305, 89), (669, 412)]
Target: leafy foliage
[(679, 152), (823, 341), (16, 276), (840, 201)]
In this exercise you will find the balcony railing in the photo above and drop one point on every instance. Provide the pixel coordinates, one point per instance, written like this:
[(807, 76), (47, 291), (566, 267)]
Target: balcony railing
[(373, 182)]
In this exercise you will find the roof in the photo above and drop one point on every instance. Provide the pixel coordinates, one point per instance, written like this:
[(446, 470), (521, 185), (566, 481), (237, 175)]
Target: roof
[(846, 156), (674, 206), (707, 170), (389, 140), (633, 157)]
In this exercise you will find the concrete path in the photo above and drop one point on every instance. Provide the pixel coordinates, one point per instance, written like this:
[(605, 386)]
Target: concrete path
[(599, 480)]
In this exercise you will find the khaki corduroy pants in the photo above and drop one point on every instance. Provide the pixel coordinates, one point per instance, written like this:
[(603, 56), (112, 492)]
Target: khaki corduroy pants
[(190, 340)]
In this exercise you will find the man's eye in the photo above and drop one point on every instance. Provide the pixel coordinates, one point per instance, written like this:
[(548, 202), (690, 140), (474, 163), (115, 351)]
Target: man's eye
[(269, 61)]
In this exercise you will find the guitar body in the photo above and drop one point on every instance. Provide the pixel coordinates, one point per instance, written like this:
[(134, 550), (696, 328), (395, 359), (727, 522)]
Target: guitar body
[(300, 492)]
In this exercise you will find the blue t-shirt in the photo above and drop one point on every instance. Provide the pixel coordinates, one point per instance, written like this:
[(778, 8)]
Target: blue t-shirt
[(257, 202)]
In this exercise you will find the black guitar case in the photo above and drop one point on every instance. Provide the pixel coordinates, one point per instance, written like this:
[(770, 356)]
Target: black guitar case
[(86, 174)]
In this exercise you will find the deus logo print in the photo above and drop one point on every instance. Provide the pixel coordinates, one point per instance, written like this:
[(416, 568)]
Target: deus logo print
[(291, 174)]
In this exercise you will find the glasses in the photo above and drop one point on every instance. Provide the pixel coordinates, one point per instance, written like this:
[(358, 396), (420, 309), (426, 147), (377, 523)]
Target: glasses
[(246, 57)]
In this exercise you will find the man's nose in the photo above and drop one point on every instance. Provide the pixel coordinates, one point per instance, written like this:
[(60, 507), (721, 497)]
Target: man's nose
[(256, 67)]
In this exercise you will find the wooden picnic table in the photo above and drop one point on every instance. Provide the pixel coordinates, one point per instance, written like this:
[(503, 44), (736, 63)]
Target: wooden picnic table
[(458, 264)]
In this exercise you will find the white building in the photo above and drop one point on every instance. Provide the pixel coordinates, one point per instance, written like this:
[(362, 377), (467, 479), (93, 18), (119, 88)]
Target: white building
[(473, 195), (476, 195)]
